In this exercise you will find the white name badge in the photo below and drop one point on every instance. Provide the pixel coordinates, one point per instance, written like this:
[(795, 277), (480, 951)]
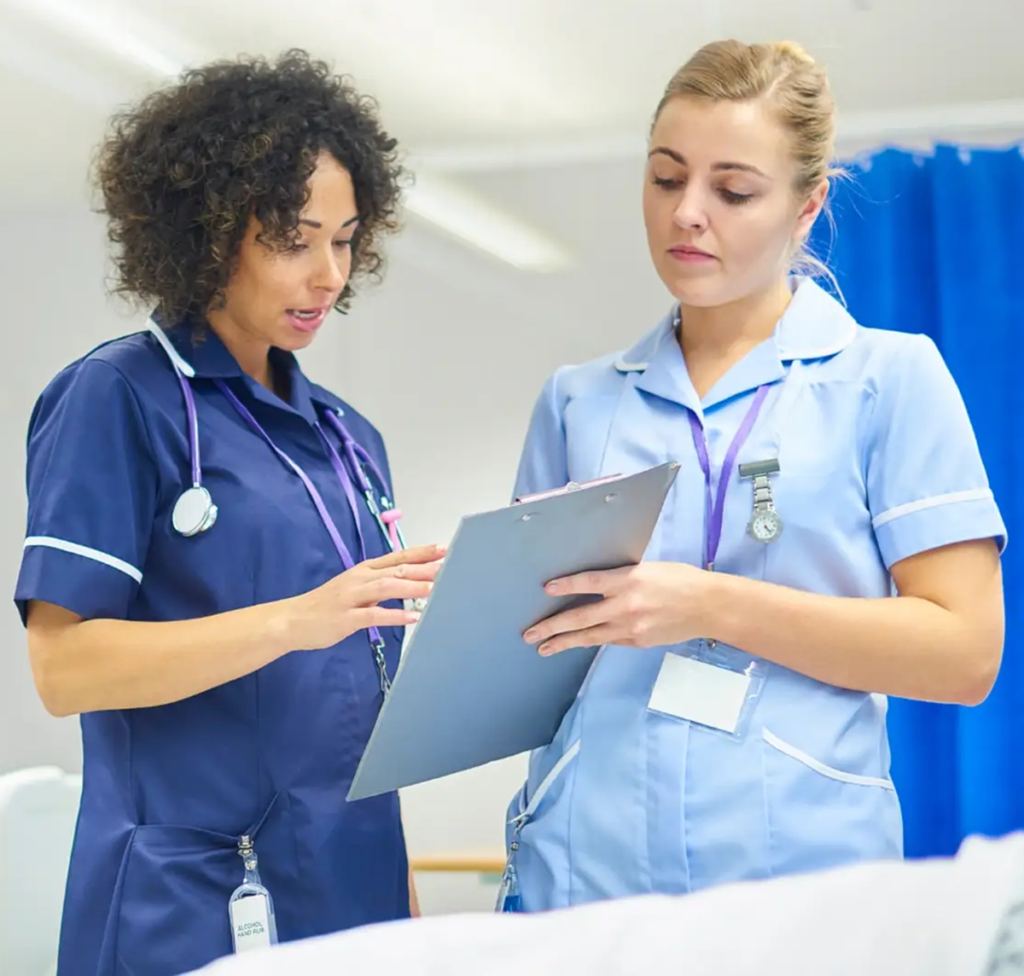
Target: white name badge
[(251, 921), (700, 692)]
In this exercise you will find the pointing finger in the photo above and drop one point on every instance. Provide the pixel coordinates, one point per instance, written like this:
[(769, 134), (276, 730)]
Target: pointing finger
[(417, 554)]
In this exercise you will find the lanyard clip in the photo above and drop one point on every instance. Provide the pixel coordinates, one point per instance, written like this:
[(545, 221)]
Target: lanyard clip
[(377, 645), (371, 503)]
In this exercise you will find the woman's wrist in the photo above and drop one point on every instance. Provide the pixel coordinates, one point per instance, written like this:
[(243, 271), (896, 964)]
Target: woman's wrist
[(282, 626), (712, 603)]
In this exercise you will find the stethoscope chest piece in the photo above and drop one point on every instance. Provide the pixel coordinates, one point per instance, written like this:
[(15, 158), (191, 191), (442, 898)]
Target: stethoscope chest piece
[(194, 511)]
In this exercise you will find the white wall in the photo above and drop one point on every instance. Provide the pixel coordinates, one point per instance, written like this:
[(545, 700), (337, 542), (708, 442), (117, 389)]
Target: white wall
[(51, 277), (446, 357)]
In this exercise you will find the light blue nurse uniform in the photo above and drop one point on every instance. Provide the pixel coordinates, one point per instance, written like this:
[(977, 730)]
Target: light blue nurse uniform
[(878, 461)]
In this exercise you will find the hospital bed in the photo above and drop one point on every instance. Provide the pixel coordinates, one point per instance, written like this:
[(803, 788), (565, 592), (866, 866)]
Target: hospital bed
[(961, 916)]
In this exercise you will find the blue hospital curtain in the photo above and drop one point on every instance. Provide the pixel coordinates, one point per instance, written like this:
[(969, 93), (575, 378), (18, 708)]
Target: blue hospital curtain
[(934, 243)]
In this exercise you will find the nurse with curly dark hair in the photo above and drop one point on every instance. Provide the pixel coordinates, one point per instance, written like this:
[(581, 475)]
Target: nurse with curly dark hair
[(213, 577)]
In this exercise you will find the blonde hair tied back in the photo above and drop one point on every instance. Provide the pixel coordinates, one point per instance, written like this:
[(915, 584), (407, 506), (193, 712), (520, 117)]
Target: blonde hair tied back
[(796, 87)]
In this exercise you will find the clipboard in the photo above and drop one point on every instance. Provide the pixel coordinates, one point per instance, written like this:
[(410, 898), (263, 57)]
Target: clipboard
[(469, 690)]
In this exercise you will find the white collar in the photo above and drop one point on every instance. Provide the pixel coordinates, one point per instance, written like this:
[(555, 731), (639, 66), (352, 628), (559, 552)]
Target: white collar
[(814, 326)]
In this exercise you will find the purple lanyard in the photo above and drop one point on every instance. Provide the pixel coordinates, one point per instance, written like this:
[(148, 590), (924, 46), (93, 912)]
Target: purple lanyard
[(713, 511), (386, 514), (376, 641)]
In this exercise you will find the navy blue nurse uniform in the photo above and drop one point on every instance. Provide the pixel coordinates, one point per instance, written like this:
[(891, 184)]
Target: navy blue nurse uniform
[(168, 790)]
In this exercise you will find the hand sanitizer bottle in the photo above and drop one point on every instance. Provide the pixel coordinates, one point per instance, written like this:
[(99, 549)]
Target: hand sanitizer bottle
[(251, 908)]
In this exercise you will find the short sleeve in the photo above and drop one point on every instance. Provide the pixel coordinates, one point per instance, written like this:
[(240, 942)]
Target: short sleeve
[(926, 483), (92, 489), (543, 465)]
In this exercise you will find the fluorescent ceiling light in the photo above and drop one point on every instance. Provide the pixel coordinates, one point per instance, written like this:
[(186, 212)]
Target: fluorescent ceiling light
[(463, 215), (534, 155), (475, 221), (59, 74), (100, 28)]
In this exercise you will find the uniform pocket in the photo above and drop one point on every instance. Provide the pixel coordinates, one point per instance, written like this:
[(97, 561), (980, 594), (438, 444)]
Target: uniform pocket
[(819, 767), (821, 815), (531, 802), (542, 826), (541, 810), (173, 912), (548, 764)]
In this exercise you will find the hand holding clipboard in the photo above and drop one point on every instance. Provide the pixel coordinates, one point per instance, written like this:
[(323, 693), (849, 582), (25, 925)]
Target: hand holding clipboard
[(469, 689)]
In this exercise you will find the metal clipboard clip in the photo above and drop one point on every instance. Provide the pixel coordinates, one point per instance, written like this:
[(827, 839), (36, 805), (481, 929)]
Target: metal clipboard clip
[(571, 487)]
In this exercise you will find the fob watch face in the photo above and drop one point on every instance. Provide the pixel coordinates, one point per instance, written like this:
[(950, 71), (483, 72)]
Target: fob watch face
[(765, 526)]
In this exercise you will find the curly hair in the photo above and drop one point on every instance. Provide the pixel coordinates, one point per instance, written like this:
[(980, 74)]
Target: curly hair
[(182, 172)]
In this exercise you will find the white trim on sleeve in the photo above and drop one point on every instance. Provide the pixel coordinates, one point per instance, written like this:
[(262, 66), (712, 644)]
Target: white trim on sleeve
[(952, 498), (75, 549)]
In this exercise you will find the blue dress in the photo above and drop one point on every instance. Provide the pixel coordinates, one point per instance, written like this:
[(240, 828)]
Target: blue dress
[(877, 462), (168, 790)]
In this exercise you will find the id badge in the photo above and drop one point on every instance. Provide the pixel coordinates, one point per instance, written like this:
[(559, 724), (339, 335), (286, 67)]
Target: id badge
[(717, 688)]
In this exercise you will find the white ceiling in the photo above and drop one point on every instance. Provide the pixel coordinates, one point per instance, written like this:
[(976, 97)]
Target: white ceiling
[(480, 85)]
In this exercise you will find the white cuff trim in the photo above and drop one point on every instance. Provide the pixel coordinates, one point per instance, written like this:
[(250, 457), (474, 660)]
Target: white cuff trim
[(784, 747), (952, 498), (75, 549)]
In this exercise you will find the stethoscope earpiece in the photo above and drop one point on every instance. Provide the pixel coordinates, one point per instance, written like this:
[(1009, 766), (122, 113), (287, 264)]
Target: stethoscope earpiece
[(194, 511)]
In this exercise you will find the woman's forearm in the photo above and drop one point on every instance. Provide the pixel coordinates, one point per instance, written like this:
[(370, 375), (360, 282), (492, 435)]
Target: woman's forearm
[(94, 665), (907, 646)]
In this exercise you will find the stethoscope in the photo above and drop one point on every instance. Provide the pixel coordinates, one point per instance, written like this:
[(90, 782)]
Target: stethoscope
[(195, 512)]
